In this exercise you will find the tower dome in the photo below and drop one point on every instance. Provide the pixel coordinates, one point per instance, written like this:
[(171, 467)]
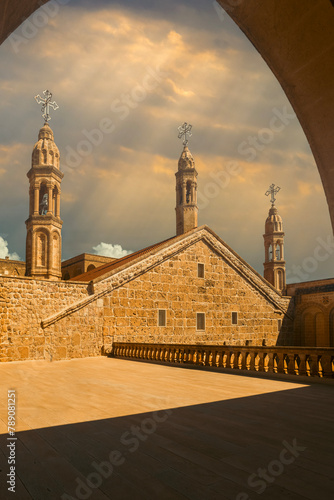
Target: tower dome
[(45, 152), (186, 159), (274, 221)]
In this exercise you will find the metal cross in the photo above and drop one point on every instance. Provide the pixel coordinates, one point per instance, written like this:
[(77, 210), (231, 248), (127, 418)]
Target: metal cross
[(185, 130), (272, 191), (46, 104)]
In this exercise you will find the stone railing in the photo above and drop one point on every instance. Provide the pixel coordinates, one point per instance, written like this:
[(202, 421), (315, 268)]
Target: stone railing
[(307, 361)]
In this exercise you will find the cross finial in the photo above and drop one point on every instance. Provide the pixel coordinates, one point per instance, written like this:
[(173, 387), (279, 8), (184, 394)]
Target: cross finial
[(46, 103), (272, 191), (185, 130)]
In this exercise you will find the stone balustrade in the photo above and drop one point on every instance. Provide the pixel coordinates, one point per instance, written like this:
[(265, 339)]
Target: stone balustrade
[(307, 361)]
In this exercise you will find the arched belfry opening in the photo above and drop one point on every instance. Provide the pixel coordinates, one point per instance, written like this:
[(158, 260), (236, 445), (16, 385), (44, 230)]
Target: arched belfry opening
[(43, 244), (274, 265)]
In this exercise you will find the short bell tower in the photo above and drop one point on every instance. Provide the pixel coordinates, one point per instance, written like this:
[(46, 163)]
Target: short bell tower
[(274, 265), (186, 187), (43, 243)]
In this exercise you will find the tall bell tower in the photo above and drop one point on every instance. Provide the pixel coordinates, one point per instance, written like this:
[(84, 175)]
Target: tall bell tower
[(186, 187), (274, 265), (43, 243)]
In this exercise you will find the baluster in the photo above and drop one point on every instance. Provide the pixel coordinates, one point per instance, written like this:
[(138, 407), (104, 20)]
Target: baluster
[(217, 359), (327, 365), (240, 360)]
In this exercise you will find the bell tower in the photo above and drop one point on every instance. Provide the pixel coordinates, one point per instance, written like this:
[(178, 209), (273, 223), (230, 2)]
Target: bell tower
[(43, 243), (274, 265), (186, 187)]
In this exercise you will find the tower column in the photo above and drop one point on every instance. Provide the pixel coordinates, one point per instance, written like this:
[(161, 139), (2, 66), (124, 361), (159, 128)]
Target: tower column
[(184, 192), (36, 200), (58, 204), (50, 200)]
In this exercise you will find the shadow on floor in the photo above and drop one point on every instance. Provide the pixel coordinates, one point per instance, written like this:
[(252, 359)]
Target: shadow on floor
[(230, 449)]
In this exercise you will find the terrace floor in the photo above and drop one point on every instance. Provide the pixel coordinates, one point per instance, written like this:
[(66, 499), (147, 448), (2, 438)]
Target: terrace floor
[(104, 428)]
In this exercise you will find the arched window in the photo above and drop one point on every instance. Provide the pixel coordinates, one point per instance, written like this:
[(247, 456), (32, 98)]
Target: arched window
[(270, 252), (180, 195), (188, 192), (90, 267), (43, 200), (41, 250), (278, 252), (280, 280), (45, 156), (55, 251)]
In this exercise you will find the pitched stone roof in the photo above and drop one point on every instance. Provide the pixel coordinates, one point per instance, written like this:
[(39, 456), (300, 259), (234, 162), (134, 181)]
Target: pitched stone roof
[(109, 277)]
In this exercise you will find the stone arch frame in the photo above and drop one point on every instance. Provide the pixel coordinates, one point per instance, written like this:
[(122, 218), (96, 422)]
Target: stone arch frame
[(269, 24), (41, 261), (55, 259), (279, 278), (314, 309)]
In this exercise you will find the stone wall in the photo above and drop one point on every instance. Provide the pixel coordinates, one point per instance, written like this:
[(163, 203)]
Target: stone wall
[(131, 311), (10, 267), (24, 302), (43, 319), (314, 313)]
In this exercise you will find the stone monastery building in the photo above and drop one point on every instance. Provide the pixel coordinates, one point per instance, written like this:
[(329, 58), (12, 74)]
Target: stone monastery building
[(189, 289)]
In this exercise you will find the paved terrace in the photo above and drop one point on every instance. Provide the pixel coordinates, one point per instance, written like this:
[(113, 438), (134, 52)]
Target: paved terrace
[(164, 433)]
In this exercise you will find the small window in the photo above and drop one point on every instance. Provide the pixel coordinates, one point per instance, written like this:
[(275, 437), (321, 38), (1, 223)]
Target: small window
[(234, 318), (200, 270), (200, 321), (162, 317), (279, 324)]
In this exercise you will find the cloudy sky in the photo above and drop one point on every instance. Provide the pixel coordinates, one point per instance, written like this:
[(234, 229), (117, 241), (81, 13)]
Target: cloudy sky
[(125, 77)]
